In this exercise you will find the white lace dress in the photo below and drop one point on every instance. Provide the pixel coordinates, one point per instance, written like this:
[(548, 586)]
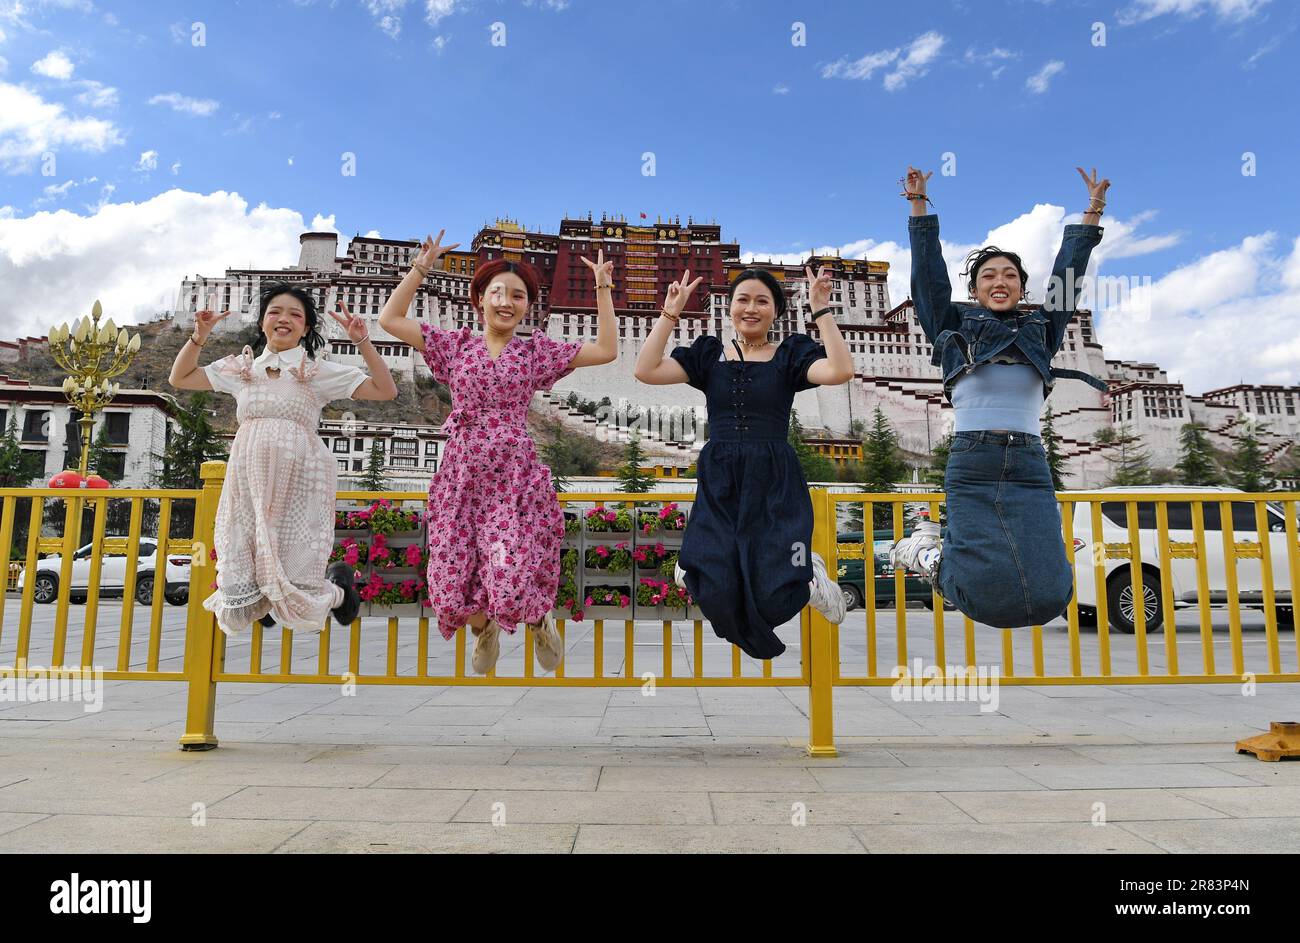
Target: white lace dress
[(275, 520)]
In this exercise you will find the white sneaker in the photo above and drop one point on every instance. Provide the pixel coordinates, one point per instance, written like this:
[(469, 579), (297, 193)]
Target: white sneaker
[(487, 648), (547, 645), (679, 575), (825, 595), (919, 552)]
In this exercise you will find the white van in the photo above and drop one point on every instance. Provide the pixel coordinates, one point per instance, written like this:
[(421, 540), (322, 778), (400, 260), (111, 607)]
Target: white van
[(1119, 589)]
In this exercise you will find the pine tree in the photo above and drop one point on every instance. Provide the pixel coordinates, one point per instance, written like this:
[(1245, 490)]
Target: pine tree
[(193, 442), (1130, 462), (373, 477), (98, 461), (632, 479), (883, 464), (938, 467), (1052, 444), (17, 469), (1196, 465), (1247, 468), (816, 467)]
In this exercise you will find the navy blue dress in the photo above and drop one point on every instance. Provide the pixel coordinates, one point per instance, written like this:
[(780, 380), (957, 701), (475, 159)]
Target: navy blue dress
[(746, 549)]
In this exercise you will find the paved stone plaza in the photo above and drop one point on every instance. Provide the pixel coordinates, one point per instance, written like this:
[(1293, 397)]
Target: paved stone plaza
[(305, 768)]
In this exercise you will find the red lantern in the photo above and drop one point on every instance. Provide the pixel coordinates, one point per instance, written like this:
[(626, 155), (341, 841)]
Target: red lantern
[(94, 481), (66, 479)]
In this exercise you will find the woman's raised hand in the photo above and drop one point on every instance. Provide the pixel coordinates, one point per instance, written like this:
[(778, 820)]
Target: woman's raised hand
[(431, 250), (1096, 188), (679, 293), (207, 319), (819, 288), (915, 181), (356, 328), (601, 270)]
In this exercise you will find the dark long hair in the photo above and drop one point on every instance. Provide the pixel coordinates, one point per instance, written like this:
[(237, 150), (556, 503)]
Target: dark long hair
[(311, 339)]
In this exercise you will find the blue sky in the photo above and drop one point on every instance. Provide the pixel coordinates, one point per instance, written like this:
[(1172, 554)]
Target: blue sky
[(790, 147)]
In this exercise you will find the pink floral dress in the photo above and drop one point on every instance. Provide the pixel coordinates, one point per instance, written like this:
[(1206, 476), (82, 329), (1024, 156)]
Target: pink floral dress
[(275, 519), (495, 526)]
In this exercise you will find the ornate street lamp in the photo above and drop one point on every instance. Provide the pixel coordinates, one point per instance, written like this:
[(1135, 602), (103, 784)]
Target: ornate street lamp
[(92, 355)]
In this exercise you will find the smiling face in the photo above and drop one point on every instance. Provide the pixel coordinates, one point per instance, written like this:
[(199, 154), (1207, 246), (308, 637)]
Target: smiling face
[(753, 309), (504, 302), (284, 323), (997, 284)]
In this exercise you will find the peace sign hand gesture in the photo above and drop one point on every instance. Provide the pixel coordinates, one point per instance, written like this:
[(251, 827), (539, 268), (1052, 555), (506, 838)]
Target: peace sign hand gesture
[(207, 319), (356, 328), (819, 288), (679, 293), (1096, 189), (601, 270), (431, 250)]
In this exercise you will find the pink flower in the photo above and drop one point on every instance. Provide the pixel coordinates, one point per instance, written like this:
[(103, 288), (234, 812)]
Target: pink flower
[(602, 551), (587, 602), (659, 549), (623, 600)]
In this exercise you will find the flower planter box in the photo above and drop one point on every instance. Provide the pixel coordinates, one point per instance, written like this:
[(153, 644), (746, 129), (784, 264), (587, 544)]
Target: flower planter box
[(340, 535), (677, 614), (608, 612), (595, 576), (409, 610)]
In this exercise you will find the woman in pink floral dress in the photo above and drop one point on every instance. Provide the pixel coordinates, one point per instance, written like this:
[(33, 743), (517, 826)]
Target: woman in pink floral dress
[(275, 520), (495, 526)]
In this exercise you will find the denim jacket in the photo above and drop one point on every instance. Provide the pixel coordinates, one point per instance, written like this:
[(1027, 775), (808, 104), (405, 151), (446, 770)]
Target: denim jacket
[(968, 335)]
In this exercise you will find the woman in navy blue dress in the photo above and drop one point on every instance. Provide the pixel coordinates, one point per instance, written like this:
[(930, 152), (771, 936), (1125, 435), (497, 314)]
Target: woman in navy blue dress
[(746, 555)]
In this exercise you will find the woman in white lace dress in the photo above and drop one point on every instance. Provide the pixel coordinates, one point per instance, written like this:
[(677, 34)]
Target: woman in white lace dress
[(275, 520)]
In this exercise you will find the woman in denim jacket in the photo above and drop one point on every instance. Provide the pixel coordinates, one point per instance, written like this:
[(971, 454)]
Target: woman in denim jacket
[(1002, 561)]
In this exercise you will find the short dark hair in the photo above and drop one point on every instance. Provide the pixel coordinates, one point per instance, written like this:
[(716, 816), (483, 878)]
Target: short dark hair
[(485, 273), (311, 339), (976, 260), (768, 279)]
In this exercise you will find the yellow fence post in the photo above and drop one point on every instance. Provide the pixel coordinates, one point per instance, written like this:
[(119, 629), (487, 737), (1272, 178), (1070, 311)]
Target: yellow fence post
[(821, 666), (201, 625)]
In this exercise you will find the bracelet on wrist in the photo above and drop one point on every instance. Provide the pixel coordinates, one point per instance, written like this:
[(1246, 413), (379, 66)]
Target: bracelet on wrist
[(606, 285), (675, 318), (818, 313), (196, 343)]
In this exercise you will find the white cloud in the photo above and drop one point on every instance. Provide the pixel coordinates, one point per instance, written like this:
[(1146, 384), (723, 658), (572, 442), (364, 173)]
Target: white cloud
[(1040, 80), (780, 89), (96, 94), (546, 4), (440, 43), (290, 161), (176, 167), (907, 65), (321, 223), (148, 161), (133, 256), (1139, 11), (203, 107), (385, 13), (1226, 317), (3, 37), (372, 234), (31, 126), (180, 33), (437, 10), (55, 65)]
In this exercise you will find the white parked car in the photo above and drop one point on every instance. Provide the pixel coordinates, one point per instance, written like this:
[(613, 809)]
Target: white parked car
[(112, 576), (1182, 570)]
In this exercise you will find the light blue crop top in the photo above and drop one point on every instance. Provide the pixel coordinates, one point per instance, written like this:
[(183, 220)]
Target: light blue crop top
[(999, 396)]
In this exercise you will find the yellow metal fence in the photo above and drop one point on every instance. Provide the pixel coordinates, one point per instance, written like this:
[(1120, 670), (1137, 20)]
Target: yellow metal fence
[(824, 655)]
